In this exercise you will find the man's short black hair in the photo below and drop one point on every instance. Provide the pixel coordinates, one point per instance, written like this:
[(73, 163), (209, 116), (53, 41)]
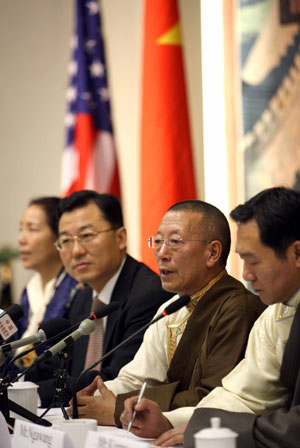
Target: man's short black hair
[(214, 224), (277, 214), (49, 205), (108, 204)]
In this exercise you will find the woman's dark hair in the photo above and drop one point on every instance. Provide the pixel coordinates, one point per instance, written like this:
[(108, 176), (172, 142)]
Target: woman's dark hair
[(277, 214), (49, 204)]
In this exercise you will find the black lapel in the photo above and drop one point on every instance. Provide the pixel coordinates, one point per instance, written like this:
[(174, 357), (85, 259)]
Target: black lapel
[(291, 358), (120, 294), (81, 305)]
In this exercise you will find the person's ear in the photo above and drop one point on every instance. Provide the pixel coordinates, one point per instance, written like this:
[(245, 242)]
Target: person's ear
[(215, 248), (122, 237), (296, 247)]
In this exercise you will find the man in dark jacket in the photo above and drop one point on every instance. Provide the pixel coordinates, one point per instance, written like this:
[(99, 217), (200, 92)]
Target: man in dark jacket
[(92, 245)]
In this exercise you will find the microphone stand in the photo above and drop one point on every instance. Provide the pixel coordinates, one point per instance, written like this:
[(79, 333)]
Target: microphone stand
[(7, 405), (60, 390), (36, 347), (4, 383)]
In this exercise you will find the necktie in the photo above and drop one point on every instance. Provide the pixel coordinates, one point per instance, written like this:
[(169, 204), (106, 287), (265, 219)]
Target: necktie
[(95, 344)]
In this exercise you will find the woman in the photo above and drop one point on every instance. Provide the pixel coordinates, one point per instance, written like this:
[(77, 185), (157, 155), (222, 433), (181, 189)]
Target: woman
[(50, 291)]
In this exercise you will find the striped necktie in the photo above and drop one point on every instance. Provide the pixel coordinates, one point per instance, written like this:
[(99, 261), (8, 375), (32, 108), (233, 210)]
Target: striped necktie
[(95, 344)]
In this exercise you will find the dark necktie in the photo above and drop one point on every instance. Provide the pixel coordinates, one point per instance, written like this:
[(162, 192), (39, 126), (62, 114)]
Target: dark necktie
[(291, 358)]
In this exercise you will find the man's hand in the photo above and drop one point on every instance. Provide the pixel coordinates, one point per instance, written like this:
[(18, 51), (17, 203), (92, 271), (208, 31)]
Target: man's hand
[(100, 407), (172, 437), (89, 390), (149, 420)]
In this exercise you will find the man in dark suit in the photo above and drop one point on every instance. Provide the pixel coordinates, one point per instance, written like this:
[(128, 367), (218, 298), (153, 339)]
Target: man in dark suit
[(92, 245), (139, 295)]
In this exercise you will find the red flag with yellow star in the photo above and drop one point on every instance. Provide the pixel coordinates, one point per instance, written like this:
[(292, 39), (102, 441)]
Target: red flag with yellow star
[(167, 174)]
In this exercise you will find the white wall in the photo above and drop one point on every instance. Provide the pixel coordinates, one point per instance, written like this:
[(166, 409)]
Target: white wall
[(34, 53)]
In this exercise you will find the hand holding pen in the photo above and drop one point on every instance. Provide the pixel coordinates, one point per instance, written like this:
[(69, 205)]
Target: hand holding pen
[(141, 394)]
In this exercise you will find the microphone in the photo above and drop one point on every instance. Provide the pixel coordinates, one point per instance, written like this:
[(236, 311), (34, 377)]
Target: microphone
[(7, 318), (54, 329), (172, 308), (46, 330), (104, 311), (86, 327), (53, 334), (51, 330)]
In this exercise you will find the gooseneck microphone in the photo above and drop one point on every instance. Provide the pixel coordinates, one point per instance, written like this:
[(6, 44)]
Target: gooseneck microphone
[(46, 330), (54, 334), (84, 328), (49, 332), (104, 311), (172, 308)]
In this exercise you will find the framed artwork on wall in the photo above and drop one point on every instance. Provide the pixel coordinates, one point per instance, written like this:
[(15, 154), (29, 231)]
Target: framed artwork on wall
[(268, 34)]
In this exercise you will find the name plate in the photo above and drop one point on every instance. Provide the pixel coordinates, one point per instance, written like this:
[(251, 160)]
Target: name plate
[(108, 439), (30, 435), (5, 437)]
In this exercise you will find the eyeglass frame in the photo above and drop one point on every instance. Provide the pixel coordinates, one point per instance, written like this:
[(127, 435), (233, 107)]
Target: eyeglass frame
[(166, 241), (77, 237)]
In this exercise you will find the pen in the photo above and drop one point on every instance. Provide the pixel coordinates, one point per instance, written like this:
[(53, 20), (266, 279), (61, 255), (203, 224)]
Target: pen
[(138, 401)]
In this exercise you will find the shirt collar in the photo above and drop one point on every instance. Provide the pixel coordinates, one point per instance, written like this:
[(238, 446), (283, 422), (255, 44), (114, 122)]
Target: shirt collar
[(199, 294), (105, 294), (294, 300)]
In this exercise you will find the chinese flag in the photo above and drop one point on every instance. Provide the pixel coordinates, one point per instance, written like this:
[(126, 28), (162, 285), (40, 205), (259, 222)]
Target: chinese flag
[(167, 174)]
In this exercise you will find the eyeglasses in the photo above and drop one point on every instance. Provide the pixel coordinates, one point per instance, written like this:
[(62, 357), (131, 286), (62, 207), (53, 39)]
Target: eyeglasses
[(171, 242), (66, 242)]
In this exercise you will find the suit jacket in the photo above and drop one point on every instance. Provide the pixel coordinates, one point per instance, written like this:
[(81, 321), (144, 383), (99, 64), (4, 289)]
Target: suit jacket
[(280, 428), (139, 293)]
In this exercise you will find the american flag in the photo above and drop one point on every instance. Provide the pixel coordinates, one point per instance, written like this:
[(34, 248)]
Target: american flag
[(89, 157)]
